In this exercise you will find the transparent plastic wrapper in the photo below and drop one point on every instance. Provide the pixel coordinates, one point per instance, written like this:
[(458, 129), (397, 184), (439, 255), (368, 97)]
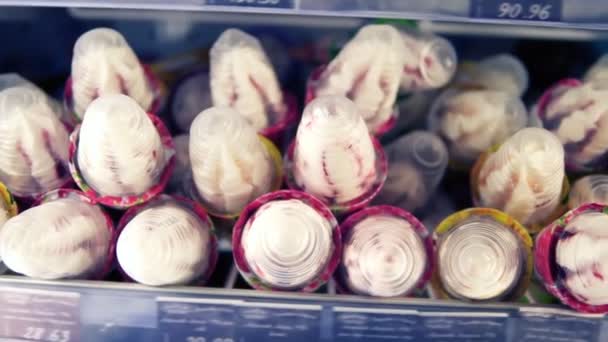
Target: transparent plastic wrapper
[(287, 241), (523, 177), (231, 164), (103, 63), (334, 157), (182, 167), (242, 78), (430, 61), (502, 72), (589, 189), (34, 143), (570, 258), (386, 252), (120, 156), (577, 113), (191, 96), (483, 255), (368, 71), (417, 162), (8, 209), (65, 236), (598, 73), (168, 241), (472, 121)]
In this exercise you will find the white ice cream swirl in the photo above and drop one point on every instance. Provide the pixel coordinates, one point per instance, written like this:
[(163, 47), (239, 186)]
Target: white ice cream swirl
[(104, 63), (334, 157), (242, 77), (368, 71), (165, 244), (524, 178), (230, 164), (120, 152), (287, 243), (33, 143), (62, 239), (582, 255), (472, 121), (383, 256), (578, 116)]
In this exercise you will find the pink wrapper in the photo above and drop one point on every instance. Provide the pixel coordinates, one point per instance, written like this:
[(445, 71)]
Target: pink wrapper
[(387, 210), (155, 84), (80, 196), (125, 201), (354, 204), (194, 207), (311, 86), (239, 253), (545, 261)]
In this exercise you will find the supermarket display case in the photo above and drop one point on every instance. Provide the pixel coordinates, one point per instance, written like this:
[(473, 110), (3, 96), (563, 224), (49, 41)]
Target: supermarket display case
[(554, 38)]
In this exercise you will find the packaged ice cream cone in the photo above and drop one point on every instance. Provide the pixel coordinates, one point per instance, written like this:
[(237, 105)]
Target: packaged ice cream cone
[(589, 189), (334, 157), (502, 72), (66, 236), (286, 241), (598, 73), (569, 258), (472, 121), (577, 113), (386, 252), (417, 162), (524, 177), (368, 71), (34, 148), (8, 209), (482, 255), (242, 78), (430, 61), (120, 156), (192, 95), (168, 241), (231, 164), (103, 64)]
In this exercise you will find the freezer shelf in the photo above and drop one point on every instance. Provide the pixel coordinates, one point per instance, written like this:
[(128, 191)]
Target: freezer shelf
[(105, 311), (556, 13)]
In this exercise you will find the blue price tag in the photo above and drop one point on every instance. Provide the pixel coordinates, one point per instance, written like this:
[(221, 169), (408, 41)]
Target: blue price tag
[(464, 326), (371, 325), (278, 322), (533, 10), (253, 3), (39, 315), (539, 324), (196, 320)]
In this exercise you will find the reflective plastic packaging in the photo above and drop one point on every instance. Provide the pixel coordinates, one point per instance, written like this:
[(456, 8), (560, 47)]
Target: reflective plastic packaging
[(243, 78), (524, 177), (570, 258), (471, 121), (120, 156), (589, 189), (577, 113), (192, 95), (103, 63), (598, 73), (334, 157), (66, 236), (368, 71), (231, 164), (430, 61), (417, 162), (33, 143), (168, 241), (502, 72), (482, 255), (386, 252), (286, 241)]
